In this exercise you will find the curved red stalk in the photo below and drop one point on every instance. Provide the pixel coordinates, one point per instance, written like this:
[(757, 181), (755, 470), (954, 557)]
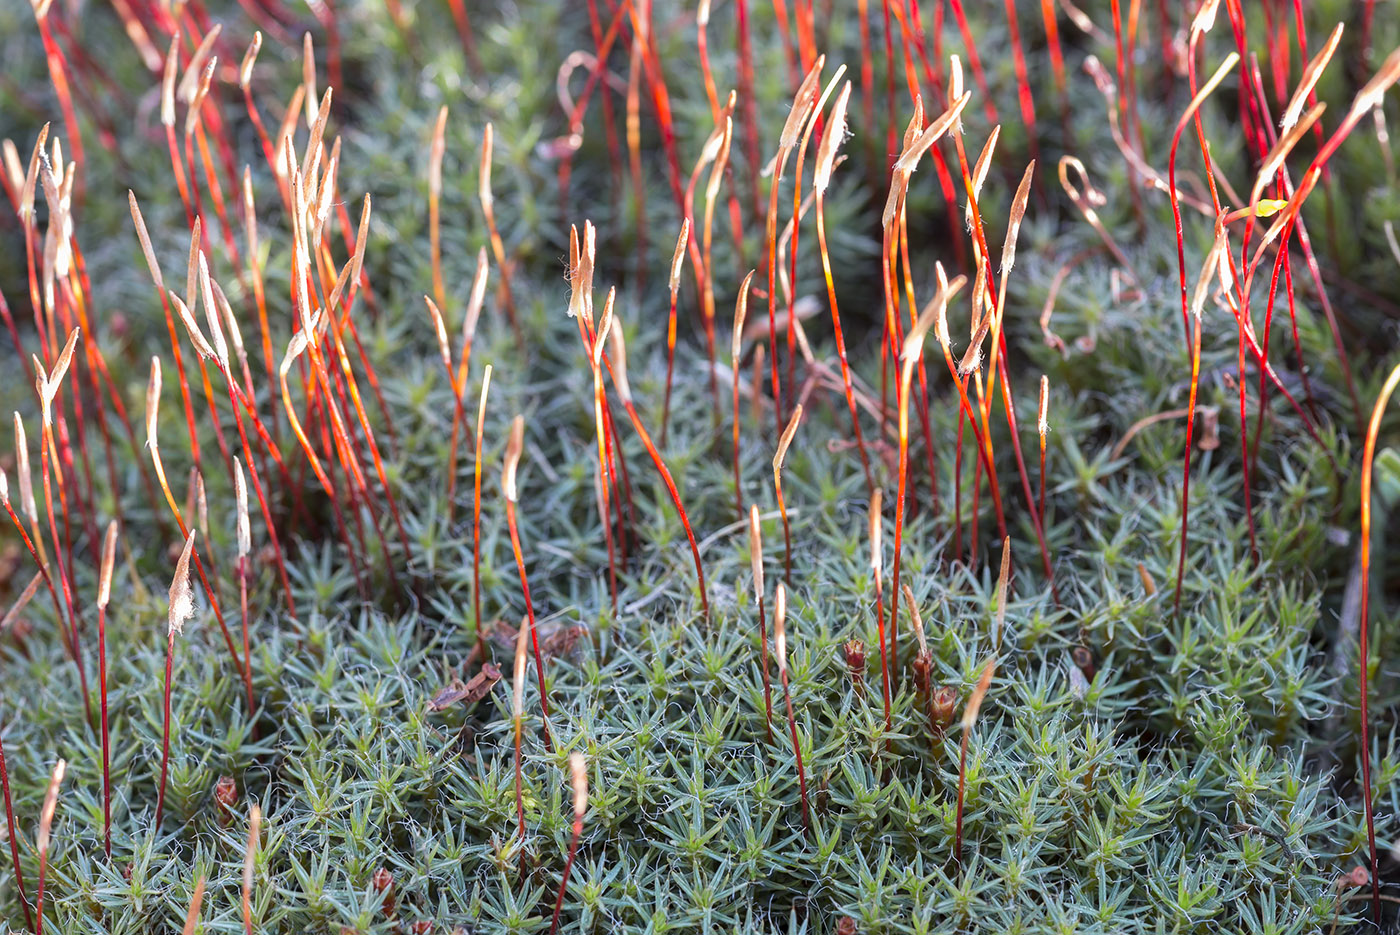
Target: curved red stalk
[(616, 364), (675, 498), (14, 837), (1367, 460), (43, 570)]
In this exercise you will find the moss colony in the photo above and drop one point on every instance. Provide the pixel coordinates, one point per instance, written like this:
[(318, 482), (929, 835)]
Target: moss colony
[(805, 467)]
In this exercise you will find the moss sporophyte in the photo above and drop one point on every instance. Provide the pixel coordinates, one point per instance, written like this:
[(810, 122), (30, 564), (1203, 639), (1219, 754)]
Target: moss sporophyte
[(557, 203)]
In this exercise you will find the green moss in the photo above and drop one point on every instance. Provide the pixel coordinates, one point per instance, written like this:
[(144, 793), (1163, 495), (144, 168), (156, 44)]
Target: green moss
[(1201, 777)]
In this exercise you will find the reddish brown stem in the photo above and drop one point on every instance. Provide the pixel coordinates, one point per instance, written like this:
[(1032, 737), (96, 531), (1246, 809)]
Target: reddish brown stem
[(530, 614), (14, 836)]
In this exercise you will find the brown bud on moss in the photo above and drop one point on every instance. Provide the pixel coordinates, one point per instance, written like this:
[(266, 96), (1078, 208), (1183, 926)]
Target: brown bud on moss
[(382, 882), (943, 704), (225, 795), (923, 665), (1085, 661), (846, 926), (855, 662)]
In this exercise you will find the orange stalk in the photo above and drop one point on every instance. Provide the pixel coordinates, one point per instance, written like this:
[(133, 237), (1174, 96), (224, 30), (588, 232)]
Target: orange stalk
[(617, 367), (474, 303), (677, 260), (912, 350), (514, 447), (877, 564), (1042, 425), (1363, 690), (792, 129), (488, 210), (1212, 263), (821, 180), (778, 457)]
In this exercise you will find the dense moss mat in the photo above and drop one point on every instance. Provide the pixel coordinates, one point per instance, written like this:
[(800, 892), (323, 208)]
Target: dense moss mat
[(1199, 774)]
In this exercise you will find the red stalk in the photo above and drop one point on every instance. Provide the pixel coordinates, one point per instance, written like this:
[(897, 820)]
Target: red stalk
[(579, 776), (617, 368), (14, 837), (1368, 459), (514, 447)]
